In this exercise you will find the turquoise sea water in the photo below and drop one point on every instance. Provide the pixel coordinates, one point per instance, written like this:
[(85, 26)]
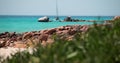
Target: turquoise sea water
[(29, 23)]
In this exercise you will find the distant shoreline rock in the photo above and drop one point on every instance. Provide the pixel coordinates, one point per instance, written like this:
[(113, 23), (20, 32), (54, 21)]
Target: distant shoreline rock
[(116, 17), (69, 19)]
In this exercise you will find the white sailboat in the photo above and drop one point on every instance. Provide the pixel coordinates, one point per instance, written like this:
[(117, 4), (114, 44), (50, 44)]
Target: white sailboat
[(43, 19), (46, 19)]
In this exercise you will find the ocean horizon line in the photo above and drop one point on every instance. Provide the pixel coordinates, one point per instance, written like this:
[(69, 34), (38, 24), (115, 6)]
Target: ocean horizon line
[(59, 15)]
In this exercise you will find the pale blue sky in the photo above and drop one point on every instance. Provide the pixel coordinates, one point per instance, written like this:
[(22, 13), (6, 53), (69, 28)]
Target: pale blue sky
[(66, 7)]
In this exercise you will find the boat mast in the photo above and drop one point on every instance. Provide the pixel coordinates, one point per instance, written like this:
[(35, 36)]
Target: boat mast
[(57, 18)]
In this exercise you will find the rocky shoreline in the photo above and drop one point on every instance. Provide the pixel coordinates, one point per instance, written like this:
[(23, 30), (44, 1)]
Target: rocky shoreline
[(22, 40)]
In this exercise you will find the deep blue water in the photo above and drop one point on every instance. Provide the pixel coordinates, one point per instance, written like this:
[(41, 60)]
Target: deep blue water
[(30, 23)]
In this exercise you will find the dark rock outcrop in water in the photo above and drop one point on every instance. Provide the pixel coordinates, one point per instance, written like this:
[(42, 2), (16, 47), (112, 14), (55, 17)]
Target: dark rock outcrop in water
[(8, 39), (68, 18)]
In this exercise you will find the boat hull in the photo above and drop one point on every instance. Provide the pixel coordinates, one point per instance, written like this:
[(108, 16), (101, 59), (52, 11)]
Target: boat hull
[(43, 20)]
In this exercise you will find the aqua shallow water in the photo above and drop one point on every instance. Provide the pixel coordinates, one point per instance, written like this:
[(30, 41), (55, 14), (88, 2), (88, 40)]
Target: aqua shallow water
[(29, 23)]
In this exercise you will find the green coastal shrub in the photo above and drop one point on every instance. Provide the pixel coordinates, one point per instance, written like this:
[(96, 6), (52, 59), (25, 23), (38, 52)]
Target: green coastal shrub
[(101, 44)]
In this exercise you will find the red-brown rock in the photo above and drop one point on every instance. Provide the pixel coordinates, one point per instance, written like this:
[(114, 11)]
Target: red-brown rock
[(43, 37), (72, 32), (51, 31), (20, 45), (27, 35), (84, 28), (2, 43)]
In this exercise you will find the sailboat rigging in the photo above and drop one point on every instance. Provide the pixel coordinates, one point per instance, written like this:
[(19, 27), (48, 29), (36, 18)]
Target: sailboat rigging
[(57, 17)]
